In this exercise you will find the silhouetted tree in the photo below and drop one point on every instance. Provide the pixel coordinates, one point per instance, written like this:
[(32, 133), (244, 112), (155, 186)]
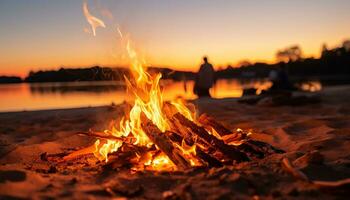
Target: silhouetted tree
[(10, 79), (324, 49), (346, 45), (244, 63), (292, 53)]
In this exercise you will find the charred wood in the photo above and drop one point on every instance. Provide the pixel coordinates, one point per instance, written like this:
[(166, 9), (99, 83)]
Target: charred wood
[(164, 144), (254, 149), (229, 151), (200, 153)]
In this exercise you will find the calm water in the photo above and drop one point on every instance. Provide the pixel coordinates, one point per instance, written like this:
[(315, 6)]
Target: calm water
[(18, 97)]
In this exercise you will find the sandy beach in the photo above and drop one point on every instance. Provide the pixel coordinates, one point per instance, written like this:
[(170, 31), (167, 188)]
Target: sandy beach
[(315, 137)]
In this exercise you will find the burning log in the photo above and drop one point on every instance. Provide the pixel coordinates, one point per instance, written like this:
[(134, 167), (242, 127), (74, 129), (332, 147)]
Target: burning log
[(81, 152), (92, 148), (250, 147), (209, 122), (229, 151), (105, 136), (184, 142), (164, 144), (181, 133), (200, 153)]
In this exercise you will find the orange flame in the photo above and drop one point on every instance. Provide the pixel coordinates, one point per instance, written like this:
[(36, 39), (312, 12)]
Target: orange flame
[(159, 162), (181, 108), (148, 100), (189, 152)]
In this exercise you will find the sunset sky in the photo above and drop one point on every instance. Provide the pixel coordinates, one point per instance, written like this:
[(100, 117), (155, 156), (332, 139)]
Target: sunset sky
[(42, 34)]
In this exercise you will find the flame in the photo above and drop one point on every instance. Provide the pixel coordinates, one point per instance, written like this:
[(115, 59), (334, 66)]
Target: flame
[(231, 139), (215, 133), (181, 108), (147, 100), (160, 162), (102, 150), (189, 152), (92, 20)]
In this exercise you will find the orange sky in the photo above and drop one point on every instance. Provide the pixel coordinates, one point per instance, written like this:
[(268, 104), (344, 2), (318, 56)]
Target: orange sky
[(49, 35)]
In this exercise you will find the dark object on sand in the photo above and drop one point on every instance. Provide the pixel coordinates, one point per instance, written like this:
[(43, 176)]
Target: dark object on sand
[(299, 175), (249, 91), (282, 99)]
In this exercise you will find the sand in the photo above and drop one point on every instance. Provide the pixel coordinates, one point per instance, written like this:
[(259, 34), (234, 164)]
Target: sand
[(315, 136)]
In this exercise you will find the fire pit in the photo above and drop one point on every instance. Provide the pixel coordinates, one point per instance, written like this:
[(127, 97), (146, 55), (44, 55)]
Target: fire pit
[(183, 146)]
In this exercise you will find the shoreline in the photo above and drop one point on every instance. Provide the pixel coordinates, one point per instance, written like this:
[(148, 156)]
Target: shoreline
[(328, 90)]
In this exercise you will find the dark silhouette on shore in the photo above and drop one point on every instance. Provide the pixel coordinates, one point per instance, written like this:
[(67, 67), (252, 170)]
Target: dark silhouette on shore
[(99, 74), (280, 79), (71, 75), (10, 79), (205, 79)]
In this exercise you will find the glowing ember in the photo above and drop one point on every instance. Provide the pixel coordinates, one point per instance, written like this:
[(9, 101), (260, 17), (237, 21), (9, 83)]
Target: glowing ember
[(160, 162), (311, 86)]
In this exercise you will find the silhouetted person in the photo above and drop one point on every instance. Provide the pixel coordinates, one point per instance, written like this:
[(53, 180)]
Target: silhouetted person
[(205, 79), (280, 79)]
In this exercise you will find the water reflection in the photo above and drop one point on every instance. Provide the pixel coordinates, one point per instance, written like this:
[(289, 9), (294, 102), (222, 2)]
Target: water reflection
[(16, 97), (89, 87)]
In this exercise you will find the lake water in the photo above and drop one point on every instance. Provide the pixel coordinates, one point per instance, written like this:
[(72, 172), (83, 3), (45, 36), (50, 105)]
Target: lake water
[(37, 96)]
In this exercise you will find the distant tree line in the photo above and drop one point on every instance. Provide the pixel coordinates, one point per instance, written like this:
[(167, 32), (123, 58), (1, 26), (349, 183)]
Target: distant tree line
[(10, 79), (333, 62), (99, 74), (85, 74)]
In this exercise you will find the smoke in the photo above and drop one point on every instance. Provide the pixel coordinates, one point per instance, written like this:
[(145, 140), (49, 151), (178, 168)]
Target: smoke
[(92, 20)]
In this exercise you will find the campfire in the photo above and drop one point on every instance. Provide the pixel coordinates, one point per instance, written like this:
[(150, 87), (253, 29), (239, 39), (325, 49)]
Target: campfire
[(158, 135), (186, 142)]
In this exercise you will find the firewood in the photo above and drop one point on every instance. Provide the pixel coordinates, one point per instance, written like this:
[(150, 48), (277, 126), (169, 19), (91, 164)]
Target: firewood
[(91, 149), (209, 122), (81, 152), (204, 150), (332, 184), (164, 144), (105, 136), (188, 136), (183, 132), (288, 166), (254, 149), (258, 149), (230, 151), (200, 153)]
